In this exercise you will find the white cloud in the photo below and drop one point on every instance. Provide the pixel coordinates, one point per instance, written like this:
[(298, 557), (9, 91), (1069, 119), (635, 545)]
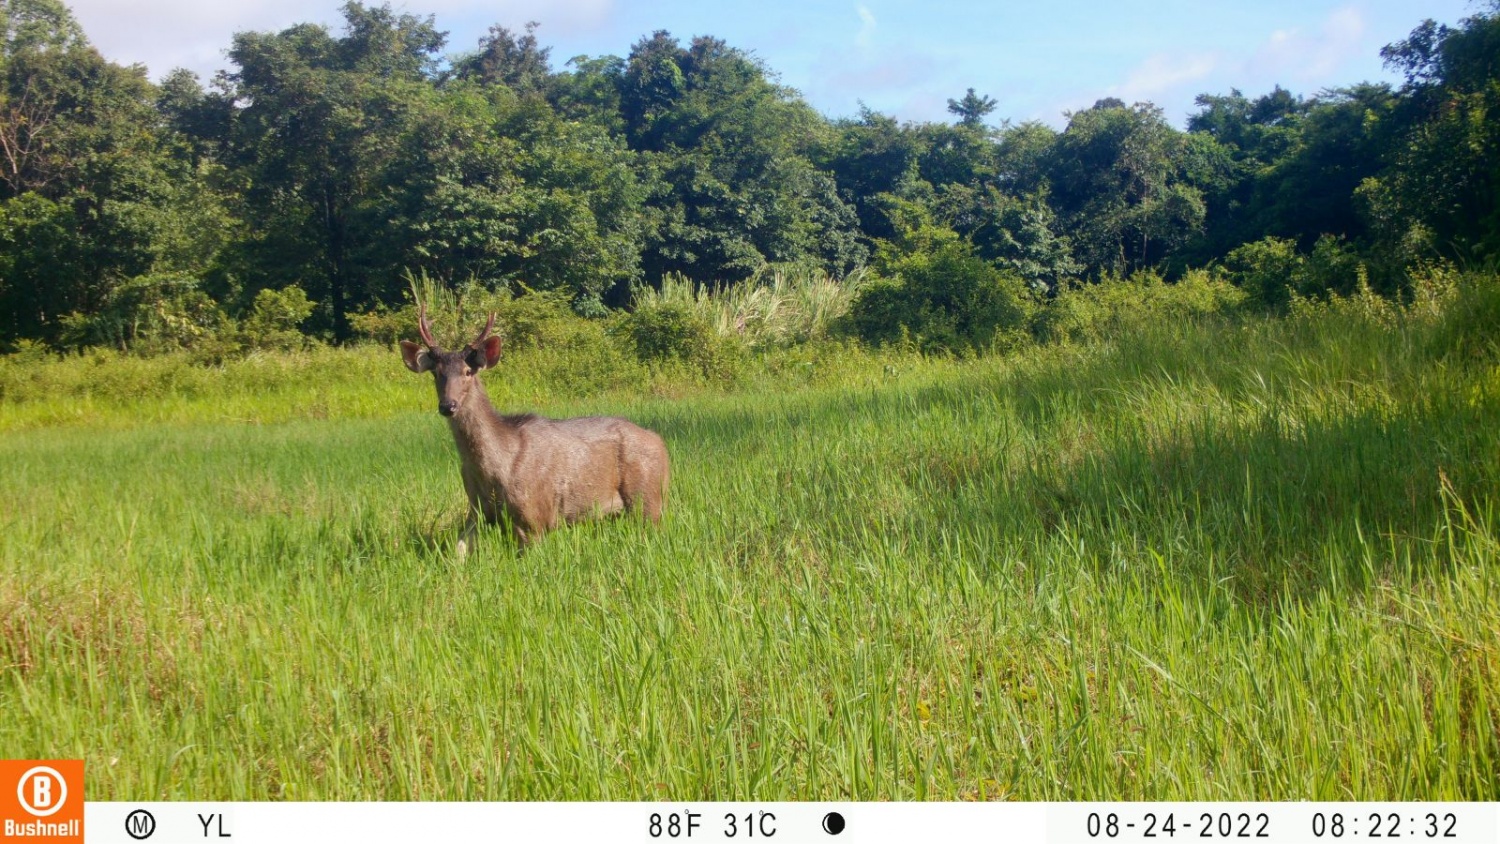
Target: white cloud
[(163, 34), (1301, 58), (867, 26), (1298, 57), (1294, 57), (1163, 73)]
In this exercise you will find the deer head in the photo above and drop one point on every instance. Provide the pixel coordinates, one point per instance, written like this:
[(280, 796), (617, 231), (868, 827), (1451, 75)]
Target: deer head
[(457, 372)]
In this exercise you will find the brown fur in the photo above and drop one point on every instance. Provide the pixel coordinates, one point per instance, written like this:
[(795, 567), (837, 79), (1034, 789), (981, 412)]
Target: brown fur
[(535, 472)]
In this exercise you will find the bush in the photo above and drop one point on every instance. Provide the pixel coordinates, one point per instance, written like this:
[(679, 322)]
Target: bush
[(1362, 304), (531, 320), (1265, 270), (946, 300), (1468, 330), (543, 320), (667, 332), (1273, 272), (877, 315), (1091, 312), (274, 318), (1332, 267), (544, 334), (155, 314), (386, 326), (780, 306)]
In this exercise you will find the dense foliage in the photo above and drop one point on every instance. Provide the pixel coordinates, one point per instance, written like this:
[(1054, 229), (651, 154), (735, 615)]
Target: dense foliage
[(151, 216)]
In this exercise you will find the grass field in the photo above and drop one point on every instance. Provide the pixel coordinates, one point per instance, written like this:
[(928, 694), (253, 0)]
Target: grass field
[(1250, 560)]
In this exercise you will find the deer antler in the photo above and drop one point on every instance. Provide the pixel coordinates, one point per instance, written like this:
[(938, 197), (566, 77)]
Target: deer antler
[(423, 327), (488, 327)]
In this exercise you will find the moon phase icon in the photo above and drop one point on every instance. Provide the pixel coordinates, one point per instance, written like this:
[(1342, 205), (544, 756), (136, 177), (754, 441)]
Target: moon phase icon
[(833, 823)]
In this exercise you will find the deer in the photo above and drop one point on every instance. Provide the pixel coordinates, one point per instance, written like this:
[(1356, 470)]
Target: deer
[(528, 471)]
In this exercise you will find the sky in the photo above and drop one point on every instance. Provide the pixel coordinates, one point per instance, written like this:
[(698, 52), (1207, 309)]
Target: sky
[(1038, 60)]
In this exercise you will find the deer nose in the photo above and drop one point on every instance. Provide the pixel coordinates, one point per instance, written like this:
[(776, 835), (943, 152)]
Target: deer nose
[(447, 407)]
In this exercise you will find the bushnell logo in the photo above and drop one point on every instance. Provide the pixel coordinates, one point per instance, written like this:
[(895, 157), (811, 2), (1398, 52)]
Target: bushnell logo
[(48, 804)]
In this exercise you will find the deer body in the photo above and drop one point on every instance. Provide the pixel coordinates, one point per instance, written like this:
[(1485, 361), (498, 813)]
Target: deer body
[(538, 473)]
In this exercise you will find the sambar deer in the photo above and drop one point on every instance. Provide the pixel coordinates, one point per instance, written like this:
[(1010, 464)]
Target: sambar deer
[(536, 472)]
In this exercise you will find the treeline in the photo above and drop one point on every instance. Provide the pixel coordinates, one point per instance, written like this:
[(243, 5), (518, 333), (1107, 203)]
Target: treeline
[(309, 183)]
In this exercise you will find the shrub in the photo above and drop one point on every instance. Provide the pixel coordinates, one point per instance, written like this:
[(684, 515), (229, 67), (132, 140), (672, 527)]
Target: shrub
[(543, 320), (946, 300), (667, 331), (1265, 270), (1332, 267), (545, 335), (151, 314), (1362, 304), (1469, 329), (456, 312), (663, 333), (385, 326), (274, 317), (877, 314), (1272, 271), (777, 307), (1086, 313), (1433, 288)]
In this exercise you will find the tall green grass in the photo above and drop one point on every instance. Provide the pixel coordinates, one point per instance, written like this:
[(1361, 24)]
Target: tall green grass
[(1251, 560), (779, 306)]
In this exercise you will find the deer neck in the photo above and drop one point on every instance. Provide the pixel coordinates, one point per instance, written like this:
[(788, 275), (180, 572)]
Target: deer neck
[(484, 438)]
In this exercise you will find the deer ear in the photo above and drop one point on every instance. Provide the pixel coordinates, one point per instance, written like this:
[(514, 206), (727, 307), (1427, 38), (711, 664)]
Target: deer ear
[(491, 351), (415, 357)]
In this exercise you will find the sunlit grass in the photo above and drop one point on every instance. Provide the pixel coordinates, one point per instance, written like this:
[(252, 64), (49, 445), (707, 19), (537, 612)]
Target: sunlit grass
[(1251, 561)]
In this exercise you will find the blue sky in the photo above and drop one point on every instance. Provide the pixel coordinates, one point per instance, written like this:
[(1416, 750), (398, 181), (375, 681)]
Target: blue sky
[(1038, 60)]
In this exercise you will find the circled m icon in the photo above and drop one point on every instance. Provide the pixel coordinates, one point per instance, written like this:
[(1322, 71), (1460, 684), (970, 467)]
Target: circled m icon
[(140, 824)]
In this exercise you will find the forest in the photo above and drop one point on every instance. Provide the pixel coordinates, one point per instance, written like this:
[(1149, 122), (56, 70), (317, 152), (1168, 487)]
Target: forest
[(303, 190)]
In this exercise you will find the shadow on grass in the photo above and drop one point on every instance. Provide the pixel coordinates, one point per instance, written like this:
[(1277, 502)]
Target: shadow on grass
[(1266, 503), (1279, 507)]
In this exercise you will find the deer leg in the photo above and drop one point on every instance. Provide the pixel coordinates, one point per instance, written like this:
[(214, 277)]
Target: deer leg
[(471, 526), (530, 525)]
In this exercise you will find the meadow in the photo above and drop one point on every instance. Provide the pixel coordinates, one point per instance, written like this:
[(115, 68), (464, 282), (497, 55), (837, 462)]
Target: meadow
[(1227, 558)]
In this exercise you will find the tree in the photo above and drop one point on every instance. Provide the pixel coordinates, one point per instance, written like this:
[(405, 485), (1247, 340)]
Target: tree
[(91, 196), (1117, 181), (872, 159), (1233, 143), (726, 152), (45, 64), (31, 26), (1441, 192), (1021, 234), (316, 124), (650, 87), (497, 189), (202, 120), (1310, 190), (591, 92), (972, 109), (1023, 158), (519, 63), (954, 155), (1259, 130)]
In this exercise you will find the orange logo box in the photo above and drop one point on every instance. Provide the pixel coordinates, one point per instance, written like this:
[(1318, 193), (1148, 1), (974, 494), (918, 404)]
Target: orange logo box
[(41, 800)]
